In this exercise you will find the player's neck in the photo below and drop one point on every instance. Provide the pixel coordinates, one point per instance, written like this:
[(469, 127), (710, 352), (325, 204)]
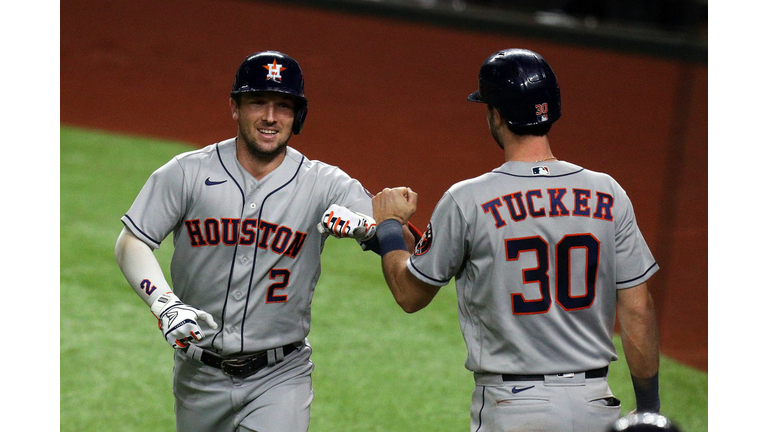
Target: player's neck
[(259, 166), (527, 148)]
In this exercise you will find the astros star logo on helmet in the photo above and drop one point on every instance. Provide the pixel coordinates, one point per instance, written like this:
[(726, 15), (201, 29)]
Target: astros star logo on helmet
[(274, 71)]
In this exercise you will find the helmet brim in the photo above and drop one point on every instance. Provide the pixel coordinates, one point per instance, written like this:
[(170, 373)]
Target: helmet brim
[(248, 89), (475, 97)]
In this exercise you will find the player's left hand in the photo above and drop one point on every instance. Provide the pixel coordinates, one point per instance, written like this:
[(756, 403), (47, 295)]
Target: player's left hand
[(342, 222)]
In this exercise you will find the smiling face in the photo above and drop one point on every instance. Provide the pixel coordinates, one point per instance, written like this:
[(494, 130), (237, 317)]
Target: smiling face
[(265, 122)]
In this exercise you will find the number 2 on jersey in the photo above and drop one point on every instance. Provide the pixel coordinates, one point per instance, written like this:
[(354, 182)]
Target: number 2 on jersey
[(540, 274), (285, 277)]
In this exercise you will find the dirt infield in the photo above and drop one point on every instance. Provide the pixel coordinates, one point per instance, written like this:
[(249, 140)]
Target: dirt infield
[(384, 93)]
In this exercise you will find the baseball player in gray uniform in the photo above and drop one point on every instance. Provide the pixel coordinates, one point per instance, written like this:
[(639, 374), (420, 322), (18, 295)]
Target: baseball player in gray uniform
[(544, 253), (244, 214)]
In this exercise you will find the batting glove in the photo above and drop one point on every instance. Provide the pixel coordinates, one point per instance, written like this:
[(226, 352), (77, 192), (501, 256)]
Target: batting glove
[(178, 321), (342, 222)]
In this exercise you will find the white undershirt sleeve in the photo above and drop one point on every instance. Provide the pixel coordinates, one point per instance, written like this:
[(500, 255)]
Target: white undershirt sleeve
[(140, 267)]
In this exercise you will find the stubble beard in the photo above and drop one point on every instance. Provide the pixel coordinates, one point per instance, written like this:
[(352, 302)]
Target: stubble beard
[(496, 135), (494, 129), (255, 151)]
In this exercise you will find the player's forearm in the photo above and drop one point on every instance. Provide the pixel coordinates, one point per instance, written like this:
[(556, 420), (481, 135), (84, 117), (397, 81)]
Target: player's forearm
[(639, 333), (640, 338), (394, 268), (641, 349), (140, 267), (409, 292)]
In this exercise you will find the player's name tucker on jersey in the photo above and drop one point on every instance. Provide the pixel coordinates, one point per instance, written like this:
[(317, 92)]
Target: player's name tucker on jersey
[(280, 239), (552, 203)]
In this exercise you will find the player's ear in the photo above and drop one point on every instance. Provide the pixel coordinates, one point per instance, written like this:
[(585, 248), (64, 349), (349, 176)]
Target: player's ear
[(497, 117), (494, 116), (233, 108)]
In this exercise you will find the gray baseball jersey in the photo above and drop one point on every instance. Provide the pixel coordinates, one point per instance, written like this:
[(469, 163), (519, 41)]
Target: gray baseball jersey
[(538, 252), (246, 251)]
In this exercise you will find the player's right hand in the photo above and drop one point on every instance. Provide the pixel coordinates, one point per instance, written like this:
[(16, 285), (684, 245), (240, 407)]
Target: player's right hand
[(179, 322), (395, 203)]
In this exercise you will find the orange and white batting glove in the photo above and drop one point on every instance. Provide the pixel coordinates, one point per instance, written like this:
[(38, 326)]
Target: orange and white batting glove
[(179, 322), (342, 222)]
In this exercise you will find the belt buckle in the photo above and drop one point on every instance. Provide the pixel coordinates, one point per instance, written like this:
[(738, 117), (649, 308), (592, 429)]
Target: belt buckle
[(232, 367), (566, 375)]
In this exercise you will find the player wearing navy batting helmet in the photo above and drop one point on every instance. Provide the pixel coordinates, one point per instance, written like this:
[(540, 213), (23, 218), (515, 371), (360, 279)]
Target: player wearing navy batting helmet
[(249, 217), (544, 254)]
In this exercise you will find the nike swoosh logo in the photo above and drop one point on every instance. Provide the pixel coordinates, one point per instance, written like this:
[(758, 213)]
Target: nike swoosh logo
[(517, 390), (208, 182), (171, 316)]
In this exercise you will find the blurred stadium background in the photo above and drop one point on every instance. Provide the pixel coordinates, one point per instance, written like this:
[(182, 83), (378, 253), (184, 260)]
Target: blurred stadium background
[(388, 78)]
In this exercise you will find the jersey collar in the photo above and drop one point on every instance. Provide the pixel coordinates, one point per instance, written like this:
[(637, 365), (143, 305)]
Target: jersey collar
[(538, 169)]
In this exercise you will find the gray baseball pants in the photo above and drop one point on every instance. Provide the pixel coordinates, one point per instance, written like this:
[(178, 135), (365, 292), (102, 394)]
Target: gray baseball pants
[(275, 399)]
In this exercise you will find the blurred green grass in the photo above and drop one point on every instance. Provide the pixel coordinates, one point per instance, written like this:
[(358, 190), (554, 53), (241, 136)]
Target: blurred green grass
[(377, 368)]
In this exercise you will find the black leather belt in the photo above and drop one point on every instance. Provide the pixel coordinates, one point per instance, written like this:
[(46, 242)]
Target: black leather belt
[(594, 373), (241, 367)]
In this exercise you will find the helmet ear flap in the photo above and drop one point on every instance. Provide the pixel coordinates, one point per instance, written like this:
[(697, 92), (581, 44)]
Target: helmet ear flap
[(298, 119)]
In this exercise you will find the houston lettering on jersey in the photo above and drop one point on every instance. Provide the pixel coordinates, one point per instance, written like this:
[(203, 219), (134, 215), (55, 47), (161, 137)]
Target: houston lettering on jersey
[(518, 206), (229, 232)]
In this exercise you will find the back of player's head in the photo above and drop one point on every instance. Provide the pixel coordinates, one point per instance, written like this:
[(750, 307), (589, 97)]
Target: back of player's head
[(272, 71), (522, 86)]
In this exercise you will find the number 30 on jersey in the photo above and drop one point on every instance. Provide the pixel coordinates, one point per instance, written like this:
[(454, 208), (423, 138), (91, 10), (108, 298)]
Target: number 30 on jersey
[(540, 274)]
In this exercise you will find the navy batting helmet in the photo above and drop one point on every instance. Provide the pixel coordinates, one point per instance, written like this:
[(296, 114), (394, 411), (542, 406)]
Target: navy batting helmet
[(643, 422), (273, 71), (521, 85)]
